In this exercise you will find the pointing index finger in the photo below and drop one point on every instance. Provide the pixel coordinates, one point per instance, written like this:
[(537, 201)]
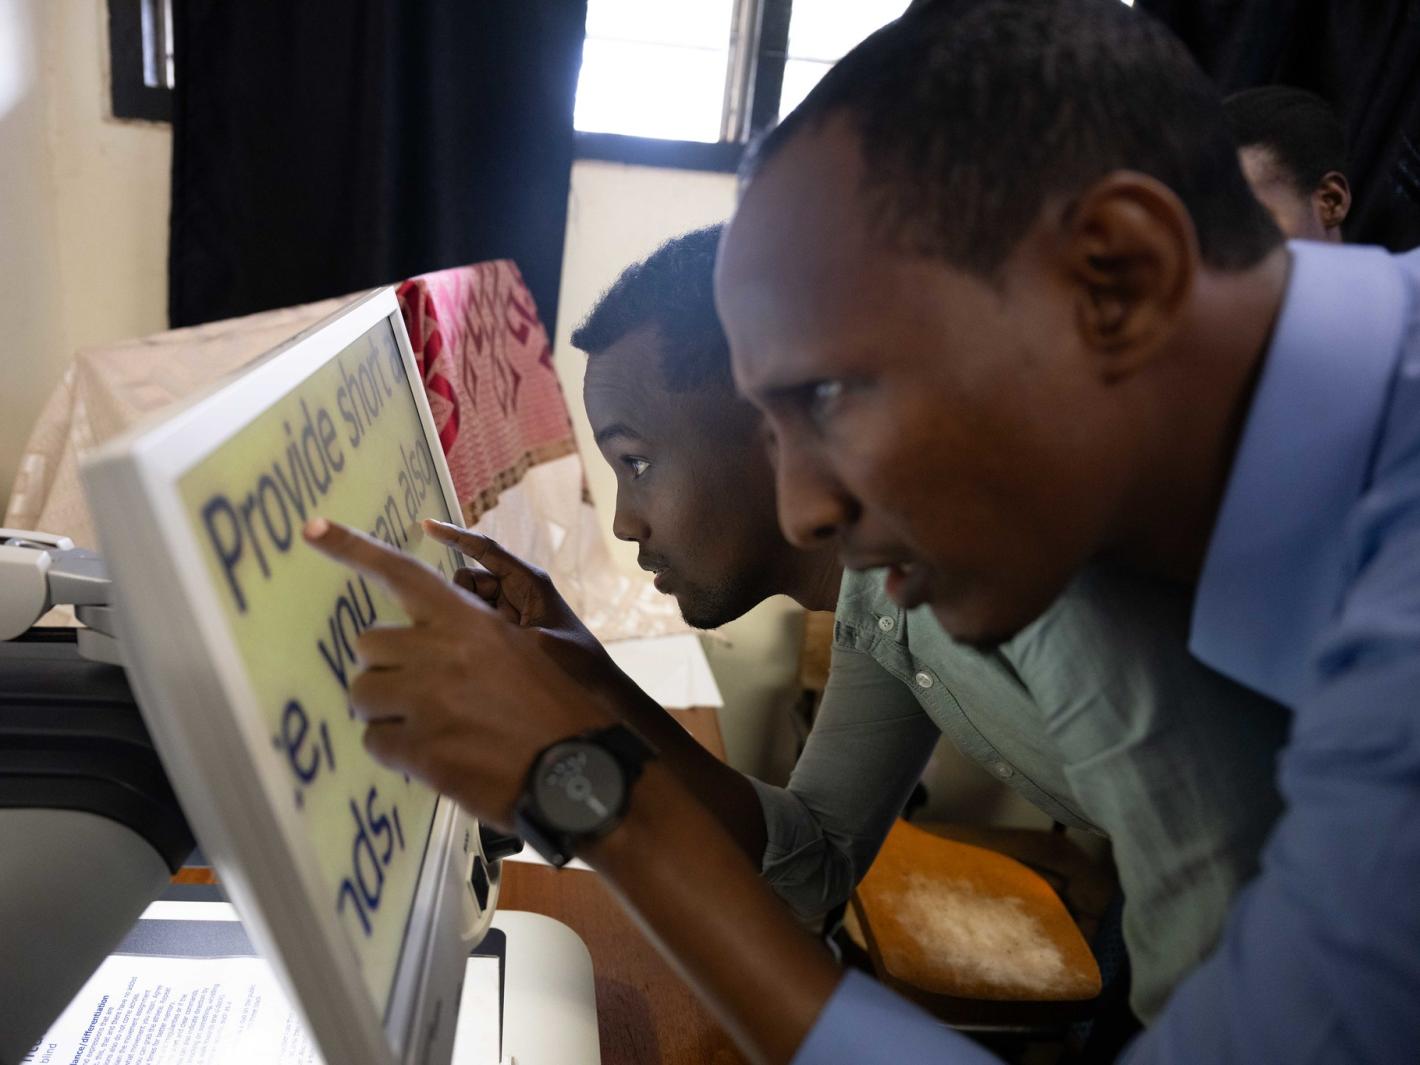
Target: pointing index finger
[(420, 590), (482, 549)]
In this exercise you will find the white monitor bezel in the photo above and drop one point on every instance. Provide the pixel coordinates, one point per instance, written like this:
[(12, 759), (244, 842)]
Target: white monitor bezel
[(134, 480)]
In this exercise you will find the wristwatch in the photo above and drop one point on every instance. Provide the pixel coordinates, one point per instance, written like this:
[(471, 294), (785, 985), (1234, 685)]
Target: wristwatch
[(578, 789)]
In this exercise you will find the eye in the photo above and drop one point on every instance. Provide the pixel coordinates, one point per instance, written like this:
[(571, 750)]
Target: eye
[(823, 400), (636, 465)]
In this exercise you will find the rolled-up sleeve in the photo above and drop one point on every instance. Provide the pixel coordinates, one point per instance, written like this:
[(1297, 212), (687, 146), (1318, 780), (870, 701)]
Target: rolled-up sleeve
[(868, 747)]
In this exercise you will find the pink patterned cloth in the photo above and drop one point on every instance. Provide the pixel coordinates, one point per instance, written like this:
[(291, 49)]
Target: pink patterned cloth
[(487, 368), (496, 401)]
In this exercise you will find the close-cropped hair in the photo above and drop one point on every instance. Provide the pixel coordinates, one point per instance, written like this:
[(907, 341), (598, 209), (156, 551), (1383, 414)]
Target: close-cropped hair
[(1300, 130), (973, 114), (672, 290)]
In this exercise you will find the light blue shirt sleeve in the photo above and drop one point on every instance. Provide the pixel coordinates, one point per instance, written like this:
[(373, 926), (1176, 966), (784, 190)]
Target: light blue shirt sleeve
[(865, 1024)]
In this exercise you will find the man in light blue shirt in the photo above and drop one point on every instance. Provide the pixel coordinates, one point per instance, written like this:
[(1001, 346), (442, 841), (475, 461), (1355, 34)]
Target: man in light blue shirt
[(1309, 588), (1310, 593), (1009, 309)]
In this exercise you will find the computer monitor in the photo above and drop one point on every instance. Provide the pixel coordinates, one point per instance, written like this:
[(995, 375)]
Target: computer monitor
[(361, 886)]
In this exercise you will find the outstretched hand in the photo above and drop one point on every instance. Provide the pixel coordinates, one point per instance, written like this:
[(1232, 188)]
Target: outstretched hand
[(464, 697), (460, 697), (525, 596)]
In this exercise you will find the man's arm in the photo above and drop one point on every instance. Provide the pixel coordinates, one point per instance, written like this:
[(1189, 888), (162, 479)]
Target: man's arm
[(868, 747), (725, 792), (525, 596), (814, 839), (767, 982), (708, 911), (433, 708)]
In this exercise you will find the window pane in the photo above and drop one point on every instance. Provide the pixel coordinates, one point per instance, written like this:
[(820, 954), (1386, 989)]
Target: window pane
[(650, 90), (694, 23), (821, 32), (800, 76), (654, 68)]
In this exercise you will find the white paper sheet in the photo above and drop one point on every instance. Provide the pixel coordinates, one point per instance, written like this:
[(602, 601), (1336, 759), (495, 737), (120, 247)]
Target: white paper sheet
[(178, 1011), (219, 1011)]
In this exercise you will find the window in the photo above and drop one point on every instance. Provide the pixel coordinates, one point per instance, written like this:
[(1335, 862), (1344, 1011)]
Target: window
[(140, 38), (686, 82), (821, 32), (655, 68)]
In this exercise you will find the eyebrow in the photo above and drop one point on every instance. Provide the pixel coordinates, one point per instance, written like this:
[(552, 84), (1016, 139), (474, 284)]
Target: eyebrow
[(614, 430)]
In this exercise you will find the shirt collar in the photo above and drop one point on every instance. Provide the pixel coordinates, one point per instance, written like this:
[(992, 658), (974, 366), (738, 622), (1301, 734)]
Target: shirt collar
[(1273, 573)]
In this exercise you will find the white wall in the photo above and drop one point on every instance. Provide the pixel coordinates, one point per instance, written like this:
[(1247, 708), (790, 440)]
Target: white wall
[(83, 208), (28, 262)]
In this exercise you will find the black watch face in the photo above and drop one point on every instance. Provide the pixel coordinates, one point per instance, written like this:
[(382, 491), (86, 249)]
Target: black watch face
[(579, 787)]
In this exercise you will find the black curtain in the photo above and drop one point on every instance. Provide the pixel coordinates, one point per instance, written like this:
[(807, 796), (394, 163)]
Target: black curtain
[(323, 146), (1361, 55)]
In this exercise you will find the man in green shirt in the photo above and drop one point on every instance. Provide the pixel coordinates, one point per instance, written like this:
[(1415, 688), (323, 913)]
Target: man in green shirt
[(1095, 713)]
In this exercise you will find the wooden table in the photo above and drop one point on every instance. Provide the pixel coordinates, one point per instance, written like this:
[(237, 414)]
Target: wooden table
[(645, 1012)]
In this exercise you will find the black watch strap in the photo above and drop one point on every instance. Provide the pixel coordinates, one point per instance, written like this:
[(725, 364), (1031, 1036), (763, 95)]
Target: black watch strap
[(625, 745)]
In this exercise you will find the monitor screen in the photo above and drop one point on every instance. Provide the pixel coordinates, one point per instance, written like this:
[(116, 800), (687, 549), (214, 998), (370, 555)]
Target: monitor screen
[(346, 443), (240, 640)]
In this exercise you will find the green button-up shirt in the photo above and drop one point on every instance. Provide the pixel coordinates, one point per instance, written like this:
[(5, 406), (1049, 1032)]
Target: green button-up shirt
[(1096, 713)]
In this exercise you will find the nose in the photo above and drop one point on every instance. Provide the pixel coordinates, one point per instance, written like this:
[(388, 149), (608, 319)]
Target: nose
[(813, 505), (627, 523)]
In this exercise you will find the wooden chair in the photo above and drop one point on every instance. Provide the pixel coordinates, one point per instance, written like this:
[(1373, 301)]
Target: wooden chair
[(968, 921), (973, 936)]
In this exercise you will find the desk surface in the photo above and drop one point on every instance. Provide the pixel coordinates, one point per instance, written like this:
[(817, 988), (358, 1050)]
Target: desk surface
[(646, 1014)]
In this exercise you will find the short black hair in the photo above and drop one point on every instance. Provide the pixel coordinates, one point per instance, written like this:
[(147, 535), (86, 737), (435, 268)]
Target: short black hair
[(972, 113), (1299, 128), (672, 289)]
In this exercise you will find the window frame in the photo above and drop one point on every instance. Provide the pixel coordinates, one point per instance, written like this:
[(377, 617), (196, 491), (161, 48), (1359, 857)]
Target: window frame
[(129, 93), (754, 86)]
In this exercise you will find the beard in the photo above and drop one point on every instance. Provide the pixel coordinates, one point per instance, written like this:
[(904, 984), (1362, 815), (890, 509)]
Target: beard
[(709, 608)]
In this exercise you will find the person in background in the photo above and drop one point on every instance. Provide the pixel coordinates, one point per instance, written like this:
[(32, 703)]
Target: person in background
[(1293, 154)]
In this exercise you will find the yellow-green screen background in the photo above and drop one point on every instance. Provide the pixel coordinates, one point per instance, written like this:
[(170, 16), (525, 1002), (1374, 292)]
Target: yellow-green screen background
[(283, 605)]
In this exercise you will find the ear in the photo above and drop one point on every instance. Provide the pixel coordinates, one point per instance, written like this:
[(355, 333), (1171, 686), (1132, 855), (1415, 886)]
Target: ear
[(1332, 199), (1131, 254)]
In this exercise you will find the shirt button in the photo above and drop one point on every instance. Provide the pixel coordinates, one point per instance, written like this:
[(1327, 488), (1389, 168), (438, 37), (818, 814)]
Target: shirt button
[(924, 679), (886, 624), (1004, 771)]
